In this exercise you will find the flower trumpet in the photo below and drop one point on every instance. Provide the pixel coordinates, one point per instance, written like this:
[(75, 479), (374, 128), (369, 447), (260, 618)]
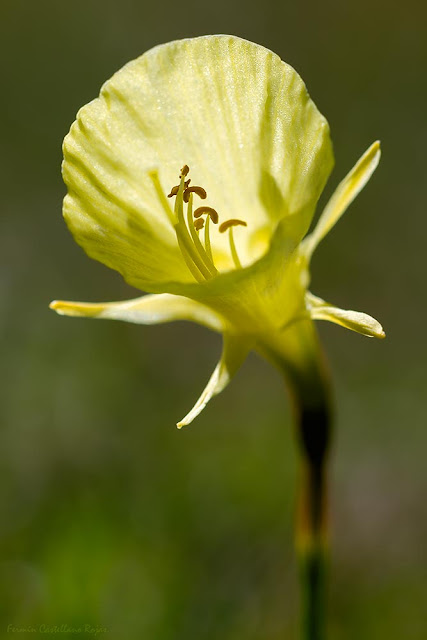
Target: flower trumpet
[(196, 175)]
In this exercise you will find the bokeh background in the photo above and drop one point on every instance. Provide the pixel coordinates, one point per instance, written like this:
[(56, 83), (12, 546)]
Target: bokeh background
[(111, 517)]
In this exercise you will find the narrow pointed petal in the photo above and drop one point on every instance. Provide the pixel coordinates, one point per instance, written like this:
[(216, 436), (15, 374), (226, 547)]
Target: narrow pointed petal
[(353, 320), (343, 196), (234, 353), (150, 309)]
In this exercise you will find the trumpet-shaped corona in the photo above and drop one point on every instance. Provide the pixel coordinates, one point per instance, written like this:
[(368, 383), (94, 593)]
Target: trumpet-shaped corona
[(233, 254), (198, 258)]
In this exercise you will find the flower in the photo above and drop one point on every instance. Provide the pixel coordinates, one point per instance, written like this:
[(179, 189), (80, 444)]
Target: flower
[(196, 174)]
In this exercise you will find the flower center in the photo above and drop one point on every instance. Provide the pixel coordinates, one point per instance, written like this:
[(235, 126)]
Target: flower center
[(197, 254)]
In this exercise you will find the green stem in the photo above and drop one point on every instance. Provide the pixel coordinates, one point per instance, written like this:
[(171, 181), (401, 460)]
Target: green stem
[(299, 357), (312, 552), (311, 395)]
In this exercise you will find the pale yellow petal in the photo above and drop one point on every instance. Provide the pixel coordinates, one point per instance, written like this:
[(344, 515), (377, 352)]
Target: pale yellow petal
[(343, 196), (353, 320), (235, 113), (235, 350), (150, 309)]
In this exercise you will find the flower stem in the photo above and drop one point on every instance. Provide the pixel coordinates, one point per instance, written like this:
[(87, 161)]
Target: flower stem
[(299, 357), (313, 421), (311, 546)]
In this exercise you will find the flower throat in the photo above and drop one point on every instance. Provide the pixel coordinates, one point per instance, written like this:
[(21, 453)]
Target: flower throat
[(197, 255)]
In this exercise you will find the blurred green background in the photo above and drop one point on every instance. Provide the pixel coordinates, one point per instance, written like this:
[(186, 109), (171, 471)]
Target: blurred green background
[(111, 517)]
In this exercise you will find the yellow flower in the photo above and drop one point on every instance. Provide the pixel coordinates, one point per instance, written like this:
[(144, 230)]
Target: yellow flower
[(196, 174)]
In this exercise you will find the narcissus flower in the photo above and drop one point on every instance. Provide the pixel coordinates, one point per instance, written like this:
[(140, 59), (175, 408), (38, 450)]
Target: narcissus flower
[(196, 174)]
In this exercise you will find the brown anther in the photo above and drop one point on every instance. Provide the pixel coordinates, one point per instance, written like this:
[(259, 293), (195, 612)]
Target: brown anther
[(184, 171), (199, 224), (233, 222), (199, 190), (211, 212), (173, 192)]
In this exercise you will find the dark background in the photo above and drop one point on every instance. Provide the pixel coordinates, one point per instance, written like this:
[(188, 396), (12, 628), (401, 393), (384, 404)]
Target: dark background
[(109, 516)]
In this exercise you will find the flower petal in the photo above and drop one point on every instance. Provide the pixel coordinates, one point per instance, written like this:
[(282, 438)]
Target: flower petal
[(353, 320), (235, 350), (151, 309), (235, 113), (343, 196)]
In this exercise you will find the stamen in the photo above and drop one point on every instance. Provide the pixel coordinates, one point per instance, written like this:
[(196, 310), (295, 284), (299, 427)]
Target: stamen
[(199, 190), (233, 222), (184, 237), (233, 250), (198, 258), (188, 260), (207, 239), (174, 190), (211, 212), (229, 224), (195, 236)]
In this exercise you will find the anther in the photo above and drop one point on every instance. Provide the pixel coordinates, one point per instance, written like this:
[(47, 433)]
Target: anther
[(184, 171), (211, 212), (233, 222), (174, 192), (199, 223), (199, 190)]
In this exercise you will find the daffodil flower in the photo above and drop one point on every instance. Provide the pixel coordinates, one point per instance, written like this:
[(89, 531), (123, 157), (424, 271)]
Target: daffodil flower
[(196, 175)]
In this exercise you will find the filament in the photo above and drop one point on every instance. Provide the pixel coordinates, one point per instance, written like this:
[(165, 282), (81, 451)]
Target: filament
[(198, 257), (207, 239)]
